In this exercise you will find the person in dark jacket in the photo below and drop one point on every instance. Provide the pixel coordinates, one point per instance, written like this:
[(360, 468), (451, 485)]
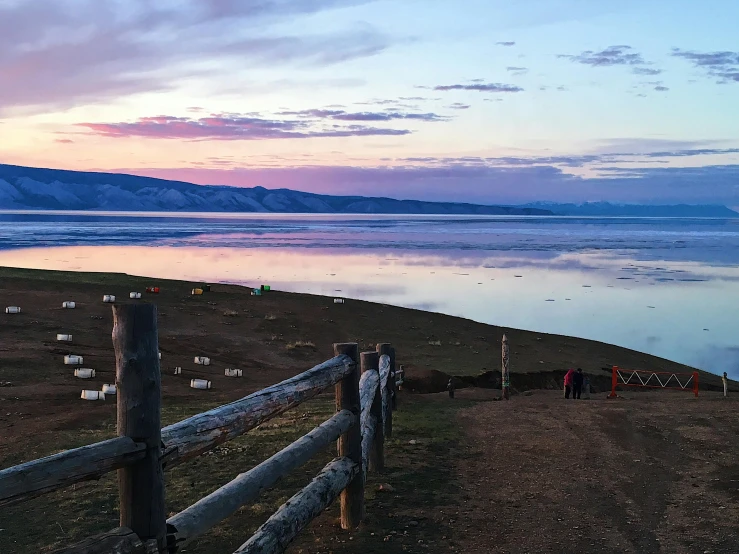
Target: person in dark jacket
[(577, 381), (450, 388), (569, 376)]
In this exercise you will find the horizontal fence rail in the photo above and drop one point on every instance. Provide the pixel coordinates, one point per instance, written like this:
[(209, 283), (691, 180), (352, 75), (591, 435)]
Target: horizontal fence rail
[(217, 506), (282, 528), (142, 451), (198, 434), (31, 479)]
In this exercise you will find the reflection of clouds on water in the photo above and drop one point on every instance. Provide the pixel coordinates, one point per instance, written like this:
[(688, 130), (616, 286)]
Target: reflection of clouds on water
[(648, 285), (703, 241)]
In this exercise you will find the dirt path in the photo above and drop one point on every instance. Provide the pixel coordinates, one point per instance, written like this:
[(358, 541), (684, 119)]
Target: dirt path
[(655, 472)]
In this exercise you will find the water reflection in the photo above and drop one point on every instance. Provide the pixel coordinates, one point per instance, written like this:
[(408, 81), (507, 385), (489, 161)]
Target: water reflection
[(682, 310)]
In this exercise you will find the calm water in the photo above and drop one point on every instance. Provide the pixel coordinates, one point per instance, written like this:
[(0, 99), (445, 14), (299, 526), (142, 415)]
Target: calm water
[(669, 287)]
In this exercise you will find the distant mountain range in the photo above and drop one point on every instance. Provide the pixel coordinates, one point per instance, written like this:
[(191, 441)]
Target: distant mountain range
[(606, 209), (54, 189), (29, 188)]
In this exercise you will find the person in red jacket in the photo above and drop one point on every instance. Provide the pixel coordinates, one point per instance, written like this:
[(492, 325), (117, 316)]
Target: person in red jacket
[(569, 378)]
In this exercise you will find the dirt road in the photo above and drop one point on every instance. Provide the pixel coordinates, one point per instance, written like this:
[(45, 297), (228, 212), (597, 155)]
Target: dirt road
[(653, 472)]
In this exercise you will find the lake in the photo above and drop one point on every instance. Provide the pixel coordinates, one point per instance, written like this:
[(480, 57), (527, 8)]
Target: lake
[(669, 287)]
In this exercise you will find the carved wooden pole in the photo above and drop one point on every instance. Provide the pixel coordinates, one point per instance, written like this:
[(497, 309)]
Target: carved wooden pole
[(393, 388), (385, 349), (370, 362), (350, 443), (506, 374), (141, 484)]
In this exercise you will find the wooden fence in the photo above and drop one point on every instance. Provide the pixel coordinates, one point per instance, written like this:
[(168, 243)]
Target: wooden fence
[(365, 388)]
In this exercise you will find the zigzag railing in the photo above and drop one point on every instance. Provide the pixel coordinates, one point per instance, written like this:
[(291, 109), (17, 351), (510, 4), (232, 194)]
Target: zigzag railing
[(653, 380)]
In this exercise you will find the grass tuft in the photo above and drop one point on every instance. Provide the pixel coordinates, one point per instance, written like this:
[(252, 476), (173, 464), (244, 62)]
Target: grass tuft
[(300, 344)]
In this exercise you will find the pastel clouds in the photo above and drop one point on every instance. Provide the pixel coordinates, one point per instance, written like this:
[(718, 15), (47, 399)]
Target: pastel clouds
[(64, 53), (230, 127), (480, 87), (723, 65)]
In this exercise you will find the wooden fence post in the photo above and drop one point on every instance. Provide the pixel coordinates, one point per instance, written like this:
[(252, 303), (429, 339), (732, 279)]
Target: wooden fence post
[(505, 368), (385, 349), (350, 443), (138, 380), (370, 361), (394, 389)]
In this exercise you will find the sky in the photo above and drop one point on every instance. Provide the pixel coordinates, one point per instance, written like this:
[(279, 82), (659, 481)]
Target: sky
[(486, 101)]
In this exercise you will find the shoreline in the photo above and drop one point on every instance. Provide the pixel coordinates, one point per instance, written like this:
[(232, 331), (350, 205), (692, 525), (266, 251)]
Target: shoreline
[(546, 343)]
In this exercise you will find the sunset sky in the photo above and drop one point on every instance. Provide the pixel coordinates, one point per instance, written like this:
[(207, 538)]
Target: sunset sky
[(473, 100)]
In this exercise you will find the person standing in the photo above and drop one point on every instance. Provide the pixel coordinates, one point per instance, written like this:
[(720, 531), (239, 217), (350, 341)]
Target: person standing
[(568, 382), (450, 388), (725, 380), (577, 381), (586, 387)]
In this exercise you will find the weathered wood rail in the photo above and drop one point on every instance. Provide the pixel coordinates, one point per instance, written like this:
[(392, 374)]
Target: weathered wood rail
[(143, 450)]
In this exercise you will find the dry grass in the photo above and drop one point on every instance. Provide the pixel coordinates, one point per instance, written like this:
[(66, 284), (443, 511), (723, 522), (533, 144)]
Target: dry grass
[(270, 317), (230, 313), (300, 344), (435, 343)]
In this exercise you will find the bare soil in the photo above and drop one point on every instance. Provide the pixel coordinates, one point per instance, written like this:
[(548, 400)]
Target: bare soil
[(651, 472)]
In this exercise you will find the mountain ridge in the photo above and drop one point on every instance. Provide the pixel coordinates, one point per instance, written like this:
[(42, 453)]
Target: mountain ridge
[(54, 189), (31, 188)]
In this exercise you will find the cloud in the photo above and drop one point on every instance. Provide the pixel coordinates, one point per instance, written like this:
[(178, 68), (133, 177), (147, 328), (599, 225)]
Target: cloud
[(64, 141), (646, 71), (692, 152), (95, 50), (517, 70), (236, 127), (613, 56), (661, 88), (480, 87), (722, 65), (506, 43), (341, 115), (458, 106), (572, 161)]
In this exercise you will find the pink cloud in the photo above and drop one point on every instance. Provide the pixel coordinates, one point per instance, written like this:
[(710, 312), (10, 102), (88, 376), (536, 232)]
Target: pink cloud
[(230, 127)]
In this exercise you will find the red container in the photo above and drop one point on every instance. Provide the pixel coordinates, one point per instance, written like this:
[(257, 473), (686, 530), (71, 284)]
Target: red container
[(153, 290)]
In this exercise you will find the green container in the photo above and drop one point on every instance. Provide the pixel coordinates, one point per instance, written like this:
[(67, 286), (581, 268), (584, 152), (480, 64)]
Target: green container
[(266, 287)]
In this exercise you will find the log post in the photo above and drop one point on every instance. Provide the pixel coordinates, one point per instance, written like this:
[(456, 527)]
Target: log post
[(370, 361), (385, 349), (505, 368), (350, 443), (141, 484), (393, 388)]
